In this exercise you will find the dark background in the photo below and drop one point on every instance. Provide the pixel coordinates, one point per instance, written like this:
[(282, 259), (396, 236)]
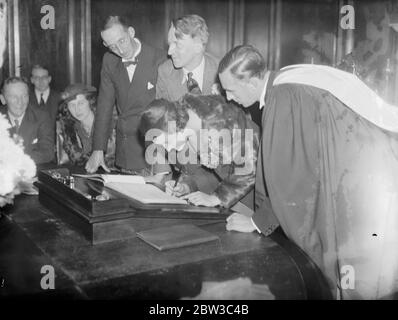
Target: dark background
[(285, 31)]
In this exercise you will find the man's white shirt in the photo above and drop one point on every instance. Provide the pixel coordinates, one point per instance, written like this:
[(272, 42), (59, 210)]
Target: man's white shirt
[(45, 93), (12, 119), (262, 97), (131, 68), (262, 104)]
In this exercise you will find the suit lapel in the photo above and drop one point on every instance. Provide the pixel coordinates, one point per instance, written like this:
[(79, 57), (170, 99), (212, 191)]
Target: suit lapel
[(5, 113), (208, 76), (181, 88), (136, 84), (270, 83), (33, 99), (139, 85), (50, 98), (122, 74), (26, 127), (52, 104), (12, 130)]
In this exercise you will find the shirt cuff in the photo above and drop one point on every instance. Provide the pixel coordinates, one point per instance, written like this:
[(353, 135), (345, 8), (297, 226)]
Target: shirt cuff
[(258, 230)]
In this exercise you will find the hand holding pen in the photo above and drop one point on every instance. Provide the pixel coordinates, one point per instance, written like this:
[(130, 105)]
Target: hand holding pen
[(175, 188)]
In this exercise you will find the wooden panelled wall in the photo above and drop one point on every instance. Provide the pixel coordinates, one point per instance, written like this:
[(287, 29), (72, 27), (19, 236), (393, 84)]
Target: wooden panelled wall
[(285, 31), (73, 50), (29, 44), (230, 22)]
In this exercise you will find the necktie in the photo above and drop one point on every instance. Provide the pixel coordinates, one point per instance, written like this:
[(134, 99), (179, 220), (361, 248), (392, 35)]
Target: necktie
[(192, 84), (129, 63), (16, 125), (42, 103)]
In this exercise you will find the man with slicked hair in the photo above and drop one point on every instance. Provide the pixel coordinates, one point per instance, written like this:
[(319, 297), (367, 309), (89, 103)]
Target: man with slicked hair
[(43, 96), (326, 169), (190, 68), (128, 80)]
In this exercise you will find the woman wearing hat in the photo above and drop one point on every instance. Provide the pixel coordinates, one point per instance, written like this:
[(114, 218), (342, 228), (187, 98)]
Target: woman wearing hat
[(76, 120)]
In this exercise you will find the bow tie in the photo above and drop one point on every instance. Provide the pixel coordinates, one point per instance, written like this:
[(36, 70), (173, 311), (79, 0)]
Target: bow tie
[(129, 63)]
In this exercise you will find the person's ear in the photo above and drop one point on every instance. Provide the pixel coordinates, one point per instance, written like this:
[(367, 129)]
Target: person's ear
[(2, 99), (131, 32), (199, 47), (49, 79), (253, 82), (102, 38)]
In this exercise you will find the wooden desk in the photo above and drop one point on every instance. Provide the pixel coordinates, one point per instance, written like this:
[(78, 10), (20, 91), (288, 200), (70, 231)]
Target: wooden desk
[(31, 236)]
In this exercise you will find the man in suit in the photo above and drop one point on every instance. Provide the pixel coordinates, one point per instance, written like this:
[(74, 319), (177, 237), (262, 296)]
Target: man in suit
[(42, 96), (327, 162), (128, 79), (189, 68), (32, 125)]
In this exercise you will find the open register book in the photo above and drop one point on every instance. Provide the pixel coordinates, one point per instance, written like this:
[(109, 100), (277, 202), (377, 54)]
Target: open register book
[(134, 187), (108, 178)]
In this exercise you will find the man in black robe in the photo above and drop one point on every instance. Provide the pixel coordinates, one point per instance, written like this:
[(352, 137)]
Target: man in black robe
[(326, 170)]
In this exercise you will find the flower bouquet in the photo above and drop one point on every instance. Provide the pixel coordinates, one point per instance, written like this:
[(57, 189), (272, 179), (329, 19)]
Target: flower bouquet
[(16, 168)]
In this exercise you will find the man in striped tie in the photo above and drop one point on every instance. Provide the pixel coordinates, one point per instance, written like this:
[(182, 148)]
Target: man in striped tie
[(43, 96), (190, 68)]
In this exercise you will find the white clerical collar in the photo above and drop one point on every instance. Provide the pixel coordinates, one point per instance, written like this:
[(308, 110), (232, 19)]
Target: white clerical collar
[(264, 92), (13, 118), (197, 73), (45, 93), (136, 53)]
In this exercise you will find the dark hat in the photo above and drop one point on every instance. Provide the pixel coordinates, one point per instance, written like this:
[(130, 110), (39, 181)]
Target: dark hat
[(73, 90)]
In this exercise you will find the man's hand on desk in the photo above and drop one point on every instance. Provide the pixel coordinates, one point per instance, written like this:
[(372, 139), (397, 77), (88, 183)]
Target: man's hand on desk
[(240, 222), (95, 161), (199, 198)]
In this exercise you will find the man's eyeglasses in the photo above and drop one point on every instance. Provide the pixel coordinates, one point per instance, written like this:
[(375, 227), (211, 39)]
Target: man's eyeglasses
[(40, 78), (115, 47)]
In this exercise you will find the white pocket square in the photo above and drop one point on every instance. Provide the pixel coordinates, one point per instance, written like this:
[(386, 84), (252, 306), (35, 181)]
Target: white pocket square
[(34, 141), (149, 86)]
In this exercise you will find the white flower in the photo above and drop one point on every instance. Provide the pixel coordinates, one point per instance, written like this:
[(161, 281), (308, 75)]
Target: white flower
[(15, 166), (216, 89)]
